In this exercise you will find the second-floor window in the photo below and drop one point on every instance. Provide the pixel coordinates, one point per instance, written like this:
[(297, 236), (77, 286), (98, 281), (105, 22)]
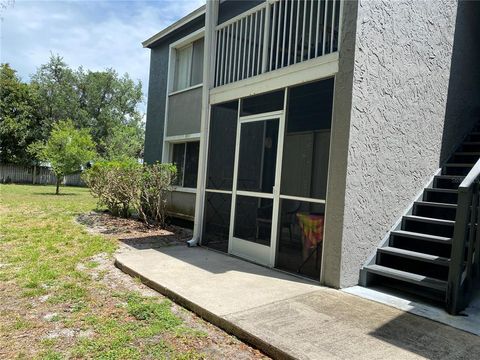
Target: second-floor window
[(188, 66)]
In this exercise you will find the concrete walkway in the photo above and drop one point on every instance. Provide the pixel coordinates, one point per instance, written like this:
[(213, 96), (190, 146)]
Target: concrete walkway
[(290, 318)]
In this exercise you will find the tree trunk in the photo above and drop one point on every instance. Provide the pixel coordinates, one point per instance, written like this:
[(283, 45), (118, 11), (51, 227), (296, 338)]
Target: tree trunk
[(58, 185)]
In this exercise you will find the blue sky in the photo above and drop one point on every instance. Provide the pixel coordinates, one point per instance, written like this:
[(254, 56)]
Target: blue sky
[(92, 33)]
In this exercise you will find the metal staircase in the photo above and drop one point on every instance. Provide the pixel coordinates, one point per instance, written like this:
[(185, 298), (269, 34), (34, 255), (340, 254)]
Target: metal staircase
[(434, 252)]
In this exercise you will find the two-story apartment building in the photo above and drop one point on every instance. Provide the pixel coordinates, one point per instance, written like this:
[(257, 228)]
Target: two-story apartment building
[(328, 138)]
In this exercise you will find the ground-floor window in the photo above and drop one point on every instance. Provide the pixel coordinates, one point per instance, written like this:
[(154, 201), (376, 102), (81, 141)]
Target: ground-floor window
[(185, 158)]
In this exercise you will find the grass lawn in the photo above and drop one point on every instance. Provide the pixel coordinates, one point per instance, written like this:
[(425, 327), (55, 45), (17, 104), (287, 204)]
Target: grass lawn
[(55, 302)]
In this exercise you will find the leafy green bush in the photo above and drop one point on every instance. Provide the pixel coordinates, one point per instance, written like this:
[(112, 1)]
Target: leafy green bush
[(126, 186), (115, 184), (156, 182)]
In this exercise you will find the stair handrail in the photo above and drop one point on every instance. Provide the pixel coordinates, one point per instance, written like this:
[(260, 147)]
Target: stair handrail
[(464, 266)]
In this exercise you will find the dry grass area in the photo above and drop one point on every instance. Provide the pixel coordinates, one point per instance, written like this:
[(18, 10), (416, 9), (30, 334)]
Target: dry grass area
[(61, 297)]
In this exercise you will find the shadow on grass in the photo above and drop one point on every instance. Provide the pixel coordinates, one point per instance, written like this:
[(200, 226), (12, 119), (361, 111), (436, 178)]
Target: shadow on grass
[(53, 194)]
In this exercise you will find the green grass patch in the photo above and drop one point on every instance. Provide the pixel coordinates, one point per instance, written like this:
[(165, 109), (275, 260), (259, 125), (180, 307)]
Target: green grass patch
[(43, 246), (22, 324)]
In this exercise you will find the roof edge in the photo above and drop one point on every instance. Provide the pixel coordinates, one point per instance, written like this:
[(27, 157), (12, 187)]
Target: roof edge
[(176, 25)]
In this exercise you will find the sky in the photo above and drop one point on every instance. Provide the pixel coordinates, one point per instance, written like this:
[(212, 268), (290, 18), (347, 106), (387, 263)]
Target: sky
[(92, 33)]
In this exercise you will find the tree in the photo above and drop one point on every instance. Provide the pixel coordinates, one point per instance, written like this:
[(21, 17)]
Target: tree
[(124, 142), (102, 102), (19, 119), (55, 86), (108, 107), (66, 150)]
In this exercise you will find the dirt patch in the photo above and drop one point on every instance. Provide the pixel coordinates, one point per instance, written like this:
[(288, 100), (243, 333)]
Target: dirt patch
[(132, 232), (214, 342)]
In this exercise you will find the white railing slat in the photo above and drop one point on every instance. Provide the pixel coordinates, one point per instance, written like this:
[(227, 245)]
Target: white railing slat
[(279, 30), (282, 64), (245, 37), (266, 33), (230, 61), (310, 30), (333, 26), (324, 27), (227, 42), (223, 57), (296, 34), (254, 44), (272, 38), (261, 29), (290, 33), (303, 29), (318, 27), (240, 56), (250, 20)]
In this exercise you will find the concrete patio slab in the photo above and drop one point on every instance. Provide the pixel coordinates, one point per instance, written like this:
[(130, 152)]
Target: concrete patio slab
[(468, 321), (287, 317)]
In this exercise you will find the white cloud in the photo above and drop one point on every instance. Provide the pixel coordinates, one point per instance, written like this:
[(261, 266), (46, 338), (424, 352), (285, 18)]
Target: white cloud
[(93, 34)]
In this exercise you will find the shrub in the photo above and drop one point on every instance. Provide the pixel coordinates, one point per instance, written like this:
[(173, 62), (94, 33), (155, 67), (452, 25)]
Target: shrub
[(123, 186), (155, 184), (115, 184)]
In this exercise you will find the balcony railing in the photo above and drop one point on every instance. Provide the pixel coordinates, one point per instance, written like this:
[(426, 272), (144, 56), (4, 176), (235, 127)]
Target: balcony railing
[(274, 35)]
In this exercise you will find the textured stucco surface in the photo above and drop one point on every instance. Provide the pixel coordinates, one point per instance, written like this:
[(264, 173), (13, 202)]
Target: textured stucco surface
[(332, 246), (400, 83)]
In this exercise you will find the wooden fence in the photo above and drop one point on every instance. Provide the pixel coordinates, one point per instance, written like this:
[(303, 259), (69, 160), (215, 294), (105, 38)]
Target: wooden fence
[(19, 174)]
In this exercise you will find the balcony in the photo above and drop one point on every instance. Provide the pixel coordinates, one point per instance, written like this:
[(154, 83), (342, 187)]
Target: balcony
[(275, 35)]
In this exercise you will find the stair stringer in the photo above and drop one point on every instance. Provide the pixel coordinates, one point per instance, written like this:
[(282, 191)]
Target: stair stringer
[(365, 277)]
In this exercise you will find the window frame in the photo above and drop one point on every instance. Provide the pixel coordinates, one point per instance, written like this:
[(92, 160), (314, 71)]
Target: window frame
[(172, 62), (188, 49), (182, 140), (167, 140)]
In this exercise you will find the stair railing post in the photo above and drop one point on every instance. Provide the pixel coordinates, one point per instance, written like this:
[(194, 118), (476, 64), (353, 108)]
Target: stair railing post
[(454, 291), (476, 259), (467, 285), (471, 237)]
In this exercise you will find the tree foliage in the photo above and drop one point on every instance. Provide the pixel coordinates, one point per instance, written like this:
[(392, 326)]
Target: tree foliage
[(54, 86), (102, 102), (66, 150), (19, 120), (108, 107)]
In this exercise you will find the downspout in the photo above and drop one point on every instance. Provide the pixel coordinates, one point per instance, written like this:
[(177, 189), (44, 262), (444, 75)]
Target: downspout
[(208, 69)]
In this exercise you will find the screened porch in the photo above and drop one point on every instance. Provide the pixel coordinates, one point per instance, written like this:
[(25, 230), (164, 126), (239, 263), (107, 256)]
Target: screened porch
[(267, 173)]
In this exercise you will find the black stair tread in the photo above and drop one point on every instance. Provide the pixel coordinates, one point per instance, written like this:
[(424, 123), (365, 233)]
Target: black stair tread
[(437, 204), (449, 176), (451, 191), (412, 278), (429, 220), (421, 236), (471, 143), (438, 260), (459, 165), (468, 152)]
